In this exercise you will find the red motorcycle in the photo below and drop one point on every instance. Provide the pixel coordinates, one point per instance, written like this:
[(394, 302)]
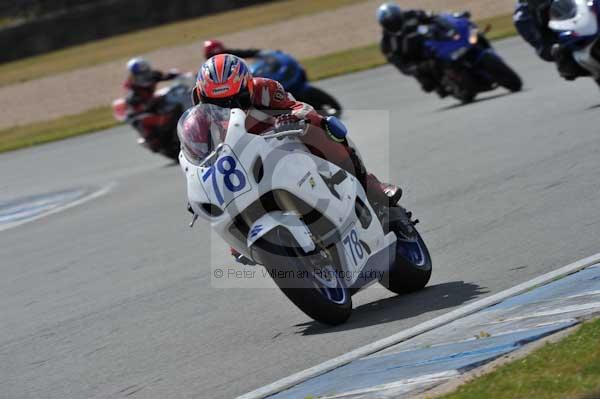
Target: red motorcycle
[(156, 122)]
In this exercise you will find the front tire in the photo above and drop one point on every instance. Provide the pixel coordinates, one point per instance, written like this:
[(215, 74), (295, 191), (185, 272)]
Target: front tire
[(323, 102), (412, 268), (500, 72), (322, 296)]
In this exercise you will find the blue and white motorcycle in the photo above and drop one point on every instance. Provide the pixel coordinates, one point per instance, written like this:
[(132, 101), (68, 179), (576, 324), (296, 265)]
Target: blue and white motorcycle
[(285, 69), (467, 63), (577, 24), (308, 222)]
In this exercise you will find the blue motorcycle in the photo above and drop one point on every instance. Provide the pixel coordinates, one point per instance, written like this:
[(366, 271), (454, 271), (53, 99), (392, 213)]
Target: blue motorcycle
[(284, 68), (465, 59)]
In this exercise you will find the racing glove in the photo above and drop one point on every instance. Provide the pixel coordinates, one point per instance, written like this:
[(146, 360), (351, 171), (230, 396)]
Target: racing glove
[(335, 129), (284, 121), (171, 74)]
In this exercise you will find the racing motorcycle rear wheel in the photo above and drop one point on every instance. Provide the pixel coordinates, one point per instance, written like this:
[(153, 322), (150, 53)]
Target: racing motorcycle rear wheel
[(460, 85), (412, 268), (311, 281)]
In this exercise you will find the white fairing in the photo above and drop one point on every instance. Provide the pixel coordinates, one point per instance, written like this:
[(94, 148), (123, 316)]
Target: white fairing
[(585, 23), (274, 219), (287, 167)]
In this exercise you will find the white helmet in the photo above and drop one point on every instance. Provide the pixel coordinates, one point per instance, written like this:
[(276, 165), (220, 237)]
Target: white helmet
[(140, 71), (138, 66)]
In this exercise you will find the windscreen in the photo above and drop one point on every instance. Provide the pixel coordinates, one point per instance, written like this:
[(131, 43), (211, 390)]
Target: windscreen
[(201, 129), (563, 9)]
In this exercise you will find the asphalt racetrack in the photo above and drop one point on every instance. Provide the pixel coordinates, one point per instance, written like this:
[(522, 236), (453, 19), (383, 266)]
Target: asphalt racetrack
[(113, 298)]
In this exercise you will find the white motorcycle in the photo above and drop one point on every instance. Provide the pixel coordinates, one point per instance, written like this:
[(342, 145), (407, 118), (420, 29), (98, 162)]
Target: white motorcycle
[(577, 24), (307, 221)]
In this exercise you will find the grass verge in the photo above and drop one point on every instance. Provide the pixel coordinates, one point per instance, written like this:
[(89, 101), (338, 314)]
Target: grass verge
[(329, 65), (57, 129), (169, 35), (567, 369)]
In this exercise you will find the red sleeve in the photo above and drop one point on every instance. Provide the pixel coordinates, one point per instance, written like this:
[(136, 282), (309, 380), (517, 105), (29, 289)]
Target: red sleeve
[(271, 94)]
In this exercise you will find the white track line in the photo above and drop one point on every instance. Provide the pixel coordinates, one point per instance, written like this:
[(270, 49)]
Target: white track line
[(297, 378), (88, 197), (401, 386), (553, 312)]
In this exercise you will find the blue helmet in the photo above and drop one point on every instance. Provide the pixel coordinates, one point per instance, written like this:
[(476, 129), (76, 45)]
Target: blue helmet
[(390, 16)]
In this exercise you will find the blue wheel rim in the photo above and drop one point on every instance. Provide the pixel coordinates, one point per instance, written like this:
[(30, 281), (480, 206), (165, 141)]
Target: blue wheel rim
[(412, 251)]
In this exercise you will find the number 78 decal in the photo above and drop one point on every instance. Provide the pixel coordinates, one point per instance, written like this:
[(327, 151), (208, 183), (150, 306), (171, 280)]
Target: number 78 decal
[(354, 248), (224, 180)]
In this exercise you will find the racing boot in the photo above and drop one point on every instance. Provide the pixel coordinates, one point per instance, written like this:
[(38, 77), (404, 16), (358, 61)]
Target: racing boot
[(377, 192), (239, 258), (382, 193)]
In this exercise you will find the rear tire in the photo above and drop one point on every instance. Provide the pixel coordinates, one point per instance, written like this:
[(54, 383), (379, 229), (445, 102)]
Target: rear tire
[(500, 72), (323, 102), (466, 97), (170, 145), (283, 259), (461, 86), (172, 149), (411, 272)]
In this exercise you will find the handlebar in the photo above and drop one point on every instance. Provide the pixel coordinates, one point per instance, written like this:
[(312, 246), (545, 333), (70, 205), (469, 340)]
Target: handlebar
[(285, 131)]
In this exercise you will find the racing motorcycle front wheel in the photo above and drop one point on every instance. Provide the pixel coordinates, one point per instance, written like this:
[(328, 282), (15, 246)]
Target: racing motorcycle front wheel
[(412, 268), (311, 281), (500, 72)]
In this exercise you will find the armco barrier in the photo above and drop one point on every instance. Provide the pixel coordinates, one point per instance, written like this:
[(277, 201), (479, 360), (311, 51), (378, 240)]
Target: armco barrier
[(100, 20)]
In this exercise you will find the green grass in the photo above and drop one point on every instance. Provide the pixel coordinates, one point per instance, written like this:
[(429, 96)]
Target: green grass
[(57, 129), (329, 65), (566, 369), (169, 35)]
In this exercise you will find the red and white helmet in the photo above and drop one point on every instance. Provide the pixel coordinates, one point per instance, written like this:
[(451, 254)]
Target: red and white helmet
[(212, 48), (225, 80)]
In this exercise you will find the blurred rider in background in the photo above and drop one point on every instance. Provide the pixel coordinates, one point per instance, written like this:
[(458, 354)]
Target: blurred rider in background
[(216, 47), (226, 81), (402, 44), (531, 19), (141, 83)]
